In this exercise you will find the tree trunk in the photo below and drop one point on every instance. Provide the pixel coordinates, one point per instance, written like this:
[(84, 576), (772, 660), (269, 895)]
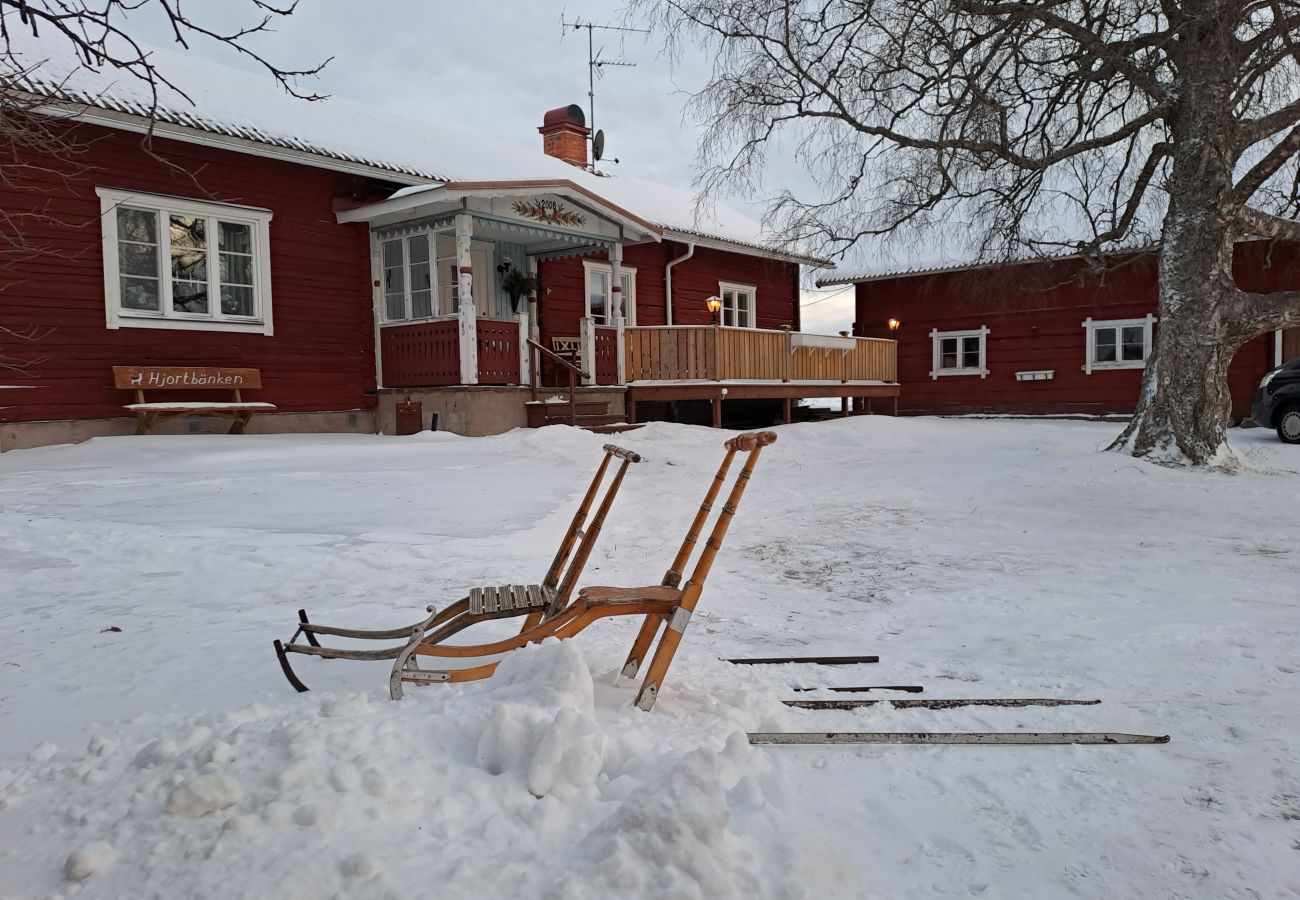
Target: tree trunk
[(1184, 406)]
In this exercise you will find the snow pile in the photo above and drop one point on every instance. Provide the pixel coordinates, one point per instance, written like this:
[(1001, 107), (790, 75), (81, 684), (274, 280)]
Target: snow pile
[(977, 558), (508, 788), (94, 857)]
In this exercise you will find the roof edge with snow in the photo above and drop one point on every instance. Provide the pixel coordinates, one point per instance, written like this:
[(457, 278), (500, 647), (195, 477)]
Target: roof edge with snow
[(886, 275)]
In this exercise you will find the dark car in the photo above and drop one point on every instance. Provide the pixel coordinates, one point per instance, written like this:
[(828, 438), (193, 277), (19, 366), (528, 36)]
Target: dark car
[(1277, 402)]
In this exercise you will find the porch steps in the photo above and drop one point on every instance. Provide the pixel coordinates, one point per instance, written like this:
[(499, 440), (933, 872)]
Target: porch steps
[(593, 415), (613, 427)]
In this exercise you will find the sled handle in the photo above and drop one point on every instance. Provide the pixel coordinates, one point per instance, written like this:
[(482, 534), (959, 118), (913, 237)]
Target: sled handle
[(750, 440), (629, 455)]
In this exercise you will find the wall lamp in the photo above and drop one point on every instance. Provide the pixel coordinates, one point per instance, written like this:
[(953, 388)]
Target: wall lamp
[(714, 304)]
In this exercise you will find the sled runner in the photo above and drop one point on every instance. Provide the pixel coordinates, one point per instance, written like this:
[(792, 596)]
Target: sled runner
[(657, 604), (537, 602), (954, 737)]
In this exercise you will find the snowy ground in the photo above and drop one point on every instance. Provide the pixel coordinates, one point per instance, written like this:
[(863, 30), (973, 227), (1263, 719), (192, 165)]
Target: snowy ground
[(978, 558)]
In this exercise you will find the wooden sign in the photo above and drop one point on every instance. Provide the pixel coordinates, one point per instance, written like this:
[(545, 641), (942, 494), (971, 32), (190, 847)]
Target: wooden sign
[(194, 378)]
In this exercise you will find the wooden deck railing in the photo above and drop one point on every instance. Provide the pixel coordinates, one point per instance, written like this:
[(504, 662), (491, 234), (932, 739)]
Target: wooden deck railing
[(715, 353), (426, 354)]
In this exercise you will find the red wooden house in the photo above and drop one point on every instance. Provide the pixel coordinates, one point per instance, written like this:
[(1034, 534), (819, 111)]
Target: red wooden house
[(1046, 336), (361, 261)]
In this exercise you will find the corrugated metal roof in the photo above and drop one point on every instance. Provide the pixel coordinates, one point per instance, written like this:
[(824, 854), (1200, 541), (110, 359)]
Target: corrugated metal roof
[(865, 275)]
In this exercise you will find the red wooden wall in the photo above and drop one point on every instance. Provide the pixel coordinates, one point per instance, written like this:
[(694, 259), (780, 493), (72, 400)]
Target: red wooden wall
[(1035, 313), (694, 281), (321, 356)]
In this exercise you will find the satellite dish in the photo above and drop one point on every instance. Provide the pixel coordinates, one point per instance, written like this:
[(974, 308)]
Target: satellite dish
[(598, 145)]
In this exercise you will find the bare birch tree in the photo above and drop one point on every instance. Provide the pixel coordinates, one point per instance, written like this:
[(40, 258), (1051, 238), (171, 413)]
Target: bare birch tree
[(1031, 126)]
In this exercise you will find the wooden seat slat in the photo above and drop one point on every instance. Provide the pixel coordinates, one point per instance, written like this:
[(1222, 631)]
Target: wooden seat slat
[(629, 595), (508, 598), (200, 407)]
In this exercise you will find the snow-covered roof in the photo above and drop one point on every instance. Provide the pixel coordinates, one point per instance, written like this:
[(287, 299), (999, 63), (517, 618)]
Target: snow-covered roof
[(886, 271), (251, 107)]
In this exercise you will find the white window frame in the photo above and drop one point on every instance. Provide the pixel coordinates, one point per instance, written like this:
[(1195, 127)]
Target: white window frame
[(259, 221), (751, 311), (483, 286), (629, 289), (936, 352), (432, 261), (1092, 326)]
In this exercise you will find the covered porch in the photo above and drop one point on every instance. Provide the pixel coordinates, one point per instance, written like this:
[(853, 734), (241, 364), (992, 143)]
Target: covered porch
[(460, 309), (456, 295)]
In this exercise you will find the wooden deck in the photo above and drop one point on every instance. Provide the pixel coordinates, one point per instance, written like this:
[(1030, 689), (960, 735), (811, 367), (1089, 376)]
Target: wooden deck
[(660, 353), (710, 362)]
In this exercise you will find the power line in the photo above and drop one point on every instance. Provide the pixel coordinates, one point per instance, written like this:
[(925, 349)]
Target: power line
[(828, 297)]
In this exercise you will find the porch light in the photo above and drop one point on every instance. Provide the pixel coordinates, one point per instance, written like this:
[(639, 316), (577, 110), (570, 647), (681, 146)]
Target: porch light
[(894, 325), (714, 304)]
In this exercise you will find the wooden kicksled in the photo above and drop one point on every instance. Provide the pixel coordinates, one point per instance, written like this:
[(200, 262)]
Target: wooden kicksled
[(536, 602), (547, 610)]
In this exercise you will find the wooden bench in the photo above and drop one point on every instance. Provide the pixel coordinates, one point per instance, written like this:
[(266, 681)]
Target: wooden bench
[(190, 378)]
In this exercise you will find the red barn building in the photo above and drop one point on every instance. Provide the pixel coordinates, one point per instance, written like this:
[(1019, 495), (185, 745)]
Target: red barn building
[(364, 263), (1047, 336)]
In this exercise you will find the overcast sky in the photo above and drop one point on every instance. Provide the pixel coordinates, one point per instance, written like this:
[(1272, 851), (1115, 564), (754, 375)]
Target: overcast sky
[(498, 65)]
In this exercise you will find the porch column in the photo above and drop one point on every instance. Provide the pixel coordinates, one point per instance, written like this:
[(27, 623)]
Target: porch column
[(534, 327), (465, 285), (587, 342), (525, 366), (616, 307), (615, 284)]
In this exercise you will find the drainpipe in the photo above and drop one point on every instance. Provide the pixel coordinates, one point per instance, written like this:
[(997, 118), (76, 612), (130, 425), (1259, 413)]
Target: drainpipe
[(668, 281)]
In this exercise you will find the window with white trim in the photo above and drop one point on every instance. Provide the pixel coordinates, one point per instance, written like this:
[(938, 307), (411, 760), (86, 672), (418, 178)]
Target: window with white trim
[(737, 304), (1117, 343), (959, 352), (175, 263), (408, 280), (448, 288), (599, 300)]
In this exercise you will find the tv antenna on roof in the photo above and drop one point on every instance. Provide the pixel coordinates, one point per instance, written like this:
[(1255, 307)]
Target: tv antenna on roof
[(596, 63)]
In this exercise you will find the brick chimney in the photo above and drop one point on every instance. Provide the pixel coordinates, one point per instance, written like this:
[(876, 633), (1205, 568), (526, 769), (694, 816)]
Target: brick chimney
[(564, 134)]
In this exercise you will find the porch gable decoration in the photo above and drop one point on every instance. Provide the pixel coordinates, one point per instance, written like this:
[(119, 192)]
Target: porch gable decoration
[(548, 212)]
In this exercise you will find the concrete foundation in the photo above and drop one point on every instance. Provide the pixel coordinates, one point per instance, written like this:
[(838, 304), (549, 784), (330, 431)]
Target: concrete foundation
[(480, 411), (471, 411), (25, 435)]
